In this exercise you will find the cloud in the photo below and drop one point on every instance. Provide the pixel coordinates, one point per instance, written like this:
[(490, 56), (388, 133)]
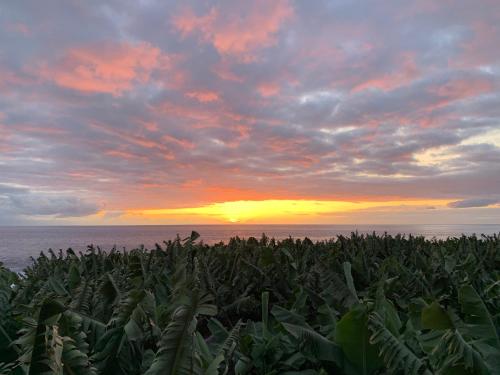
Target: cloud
[(203, 96), (474, 202), (105, 67), (236, 28), (187, 103), (18, 27), (18, 203), (405, 70), (268, 89)]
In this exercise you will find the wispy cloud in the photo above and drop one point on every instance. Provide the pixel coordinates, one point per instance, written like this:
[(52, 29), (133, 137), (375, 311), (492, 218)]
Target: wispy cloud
[(477, 202)]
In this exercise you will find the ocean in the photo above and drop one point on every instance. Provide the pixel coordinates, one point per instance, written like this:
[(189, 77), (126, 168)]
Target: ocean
[(17, 244)]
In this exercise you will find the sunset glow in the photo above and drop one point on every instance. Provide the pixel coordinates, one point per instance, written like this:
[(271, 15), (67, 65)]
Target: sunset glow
[(249, 112), (277, 211)]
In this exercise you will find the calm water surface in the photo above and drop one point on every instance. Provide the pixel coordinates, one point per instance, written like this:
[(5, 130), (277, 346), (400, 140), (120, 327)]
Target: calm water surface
[(17, 244)]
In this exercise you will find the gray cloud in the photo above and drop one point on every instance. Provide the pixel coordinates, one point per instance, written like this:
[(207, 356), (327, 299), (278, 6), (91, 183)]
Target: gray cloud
[(19, 203), (474, 202)]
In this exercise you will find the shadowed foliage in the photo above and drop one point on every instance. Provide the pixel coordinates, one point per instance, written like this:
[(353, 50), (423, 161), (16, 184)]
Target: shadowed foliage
[(364, 304)]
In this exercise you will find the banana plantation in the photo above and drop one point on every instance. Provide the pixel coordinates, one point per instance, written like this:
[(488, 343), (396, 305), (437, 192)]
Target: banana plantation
[(364, 304)]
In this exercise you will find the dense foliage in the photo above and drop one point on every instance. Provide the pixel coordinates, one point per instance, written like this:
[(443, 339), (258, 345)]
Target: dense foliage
[(359, 305)]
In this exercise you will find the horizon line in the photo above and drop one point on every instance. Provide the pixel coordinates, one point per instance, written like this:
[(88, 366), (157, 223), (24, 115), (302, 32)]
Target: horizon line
[(242, 224)]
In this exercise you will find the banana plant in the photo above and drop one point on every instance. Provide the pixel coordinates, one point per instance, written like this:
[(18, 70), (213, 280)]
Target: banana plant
[(356, 305)]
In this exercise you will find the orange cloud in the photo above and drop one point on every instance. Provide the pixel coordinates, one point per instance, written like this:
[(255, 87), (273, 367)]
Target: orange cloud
[(203, 191), (221, 194), (105, 67), (240, 28)]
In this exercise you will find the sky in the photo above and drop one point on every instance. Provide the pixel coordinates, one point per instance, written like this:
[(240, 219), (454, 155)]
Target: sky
[(189, 112)]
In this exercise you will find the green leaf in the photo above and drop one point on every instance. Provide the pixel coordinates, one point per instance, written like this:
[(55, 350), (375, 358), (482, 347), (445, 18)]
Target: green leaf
[(434, 317), (176, 355), (213, 368), (353, 336), (349, 279), (74, 276), (324, 349), (265, 313), (283, 315), (387, 311), (41, 342), (478, 314), (394, 352)]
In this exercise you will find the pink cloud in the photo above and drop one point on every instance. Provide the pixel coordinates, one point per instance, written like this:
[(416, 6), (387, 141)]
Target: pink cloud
[(9, 79), (239, 29), (459, 89), (18, 28), (29, 129), (478, 50), (268, 89), (4, 136), (223, 71), (203, 96), (123, 154), (405, 72), (137, 140), (191, 113), (105, 67), (148, 125), (420, 7), (181, 142)]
